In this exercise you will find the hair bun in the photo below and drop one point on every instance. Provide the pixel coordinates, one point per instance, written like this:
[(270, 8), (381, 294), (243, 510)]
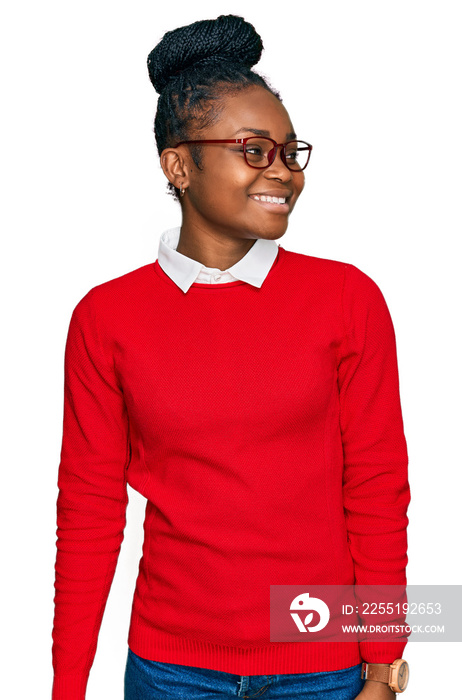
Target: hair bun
[(228, 38)]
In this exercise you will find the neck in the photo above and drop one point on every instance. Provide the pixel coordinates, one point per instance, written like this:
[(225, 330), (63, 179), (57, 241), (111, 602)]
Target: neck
[(212, 249)]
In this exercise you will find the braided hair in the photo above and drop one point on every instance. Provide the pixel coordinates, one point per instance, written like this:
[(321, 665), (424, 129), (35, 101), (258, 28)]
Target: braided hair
[(192, 67)]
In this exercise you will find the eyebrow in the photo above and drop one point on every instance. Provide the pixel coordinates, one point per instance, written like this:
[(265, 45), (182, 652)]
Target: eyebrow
[(263, 132)]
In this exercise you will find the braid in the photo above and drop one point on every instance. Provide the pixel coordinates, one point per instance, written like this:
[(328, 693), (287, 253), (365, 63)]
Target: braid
[(193, 67)]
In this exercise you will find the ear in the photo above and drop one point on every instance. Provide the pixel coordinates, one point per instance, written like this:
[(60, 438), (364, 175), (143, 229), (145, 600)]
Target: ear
[(175, 167)]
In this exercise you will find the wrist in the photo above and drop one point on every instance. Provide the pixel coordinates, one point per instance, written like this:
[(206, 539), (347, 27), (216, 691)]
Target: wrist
[(395, 676)]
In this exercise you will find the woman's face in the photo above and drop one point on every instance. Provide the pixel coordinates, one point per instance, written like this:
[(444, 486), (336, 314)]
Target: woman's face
[(221, 196)]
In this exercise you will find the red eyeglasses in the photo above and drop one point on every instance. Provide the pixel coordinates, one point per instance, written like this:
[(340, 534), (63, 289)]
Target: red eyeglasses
[(260, 151)]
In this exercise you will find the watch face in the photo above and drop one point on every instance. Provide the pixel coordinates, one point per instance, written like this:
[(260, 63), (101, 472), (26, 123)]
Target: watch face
[(403, 675)]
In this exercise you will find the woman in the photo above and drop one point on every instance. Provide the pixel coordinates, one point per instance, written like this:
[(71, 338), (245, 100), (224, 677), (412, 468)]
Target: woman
[(249, 393)]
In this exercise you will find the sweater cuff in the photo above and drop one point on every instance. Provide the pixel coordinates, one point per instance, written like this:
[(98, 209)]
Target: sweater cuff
[(69, 687), (381, 652)]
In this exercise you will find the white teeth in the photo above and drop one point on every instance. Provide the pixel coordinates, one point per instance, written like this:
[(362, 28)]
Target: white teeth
[(271, 200)]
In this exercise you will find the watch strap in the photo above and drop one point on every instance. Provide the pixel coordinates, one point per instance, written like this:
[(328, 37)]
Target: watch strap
[(376, 672)]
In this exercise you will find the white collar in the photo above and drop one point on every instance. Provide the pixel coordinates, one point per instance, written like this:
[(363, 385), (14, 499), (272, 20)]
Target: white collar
[(252, 268)]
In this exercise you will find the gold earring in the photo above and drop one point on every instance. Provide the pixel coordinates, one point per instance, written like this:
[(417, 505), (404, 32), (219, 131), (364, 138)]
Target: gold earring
[(181, 190)]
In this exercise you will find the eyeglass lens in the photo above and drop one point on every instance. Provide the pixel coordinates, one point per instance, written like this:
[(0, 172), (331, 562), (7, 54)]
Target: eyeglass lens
[(259, 152)]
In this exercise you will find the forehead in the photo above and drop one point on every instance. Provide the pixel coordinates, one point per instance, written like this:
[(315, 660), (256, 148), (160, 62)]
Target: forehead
[(251, 108)]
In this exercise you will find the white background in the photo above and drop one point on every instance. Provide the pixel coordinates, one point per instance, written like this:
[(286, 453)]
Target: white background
[(375, 87)]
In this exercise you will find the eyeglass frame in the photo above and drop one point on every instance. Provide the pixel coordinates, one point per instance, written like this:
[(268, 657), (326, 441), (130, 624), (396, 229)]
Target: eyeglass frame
[(273, 150)]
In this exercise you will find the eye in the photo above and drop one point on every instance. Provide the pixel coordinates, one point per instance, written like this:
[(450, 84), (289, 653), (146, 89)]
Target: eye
[(254, 150), (292, 155)]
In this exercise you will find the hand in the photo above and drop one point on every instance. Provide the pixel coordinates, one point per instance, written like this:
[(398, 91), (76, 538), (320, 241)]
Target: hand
[(373, 690)]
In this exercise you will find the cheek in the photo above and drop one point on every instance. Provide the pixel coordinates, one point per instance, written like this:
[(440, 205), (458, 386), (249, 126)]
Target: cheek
[(231, 191), (239, 179), (223, 184)]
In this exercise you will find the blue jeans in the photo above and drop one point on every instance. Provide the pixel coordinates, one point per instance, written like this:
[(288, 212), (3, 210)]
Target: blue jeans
[(155, 680)]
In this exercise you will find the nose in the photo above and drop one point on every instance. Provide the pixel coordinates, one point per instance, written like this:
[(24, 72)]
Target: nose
[(277, 168), (272, 155)]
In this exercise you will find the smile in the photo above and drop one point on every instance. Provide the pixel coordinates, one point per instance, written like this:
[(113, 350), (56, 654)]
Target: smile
[(267, 198), (274, 204)]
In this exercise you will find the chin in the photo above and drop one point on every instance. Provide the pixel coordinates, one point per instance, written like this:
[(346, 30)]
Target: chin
[(275, 232)]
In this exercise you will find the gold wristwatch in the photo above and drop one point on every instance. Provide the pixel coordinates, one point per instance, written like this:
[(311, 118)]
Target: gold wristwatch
[(395, 674)]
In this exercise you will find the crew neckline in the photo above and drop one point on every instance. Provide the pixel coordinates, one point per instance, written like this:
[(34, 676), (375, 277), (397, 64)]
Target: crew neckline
[(224, 285)]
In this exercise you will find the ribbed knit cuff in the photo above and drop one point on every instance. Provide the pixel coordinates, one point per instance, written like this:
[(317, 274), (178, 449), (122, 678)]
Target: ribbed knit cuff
[(381, 652), (69, 687)]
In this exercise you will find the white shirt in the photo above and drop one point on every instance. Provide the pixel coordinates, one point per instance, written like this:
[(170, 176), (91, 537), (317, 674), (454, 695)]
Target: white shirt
[(184, 271)]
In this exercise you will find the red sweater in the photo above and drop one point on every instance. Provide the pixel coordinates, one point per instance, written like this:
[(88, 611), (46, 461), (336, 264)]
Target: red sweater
[(264, 428)]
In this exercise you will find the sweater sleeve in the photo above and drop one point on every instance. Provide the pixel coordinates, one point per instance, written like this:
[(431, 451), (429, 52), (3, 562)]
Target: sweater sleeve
[(91, 503), (376, 491)]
